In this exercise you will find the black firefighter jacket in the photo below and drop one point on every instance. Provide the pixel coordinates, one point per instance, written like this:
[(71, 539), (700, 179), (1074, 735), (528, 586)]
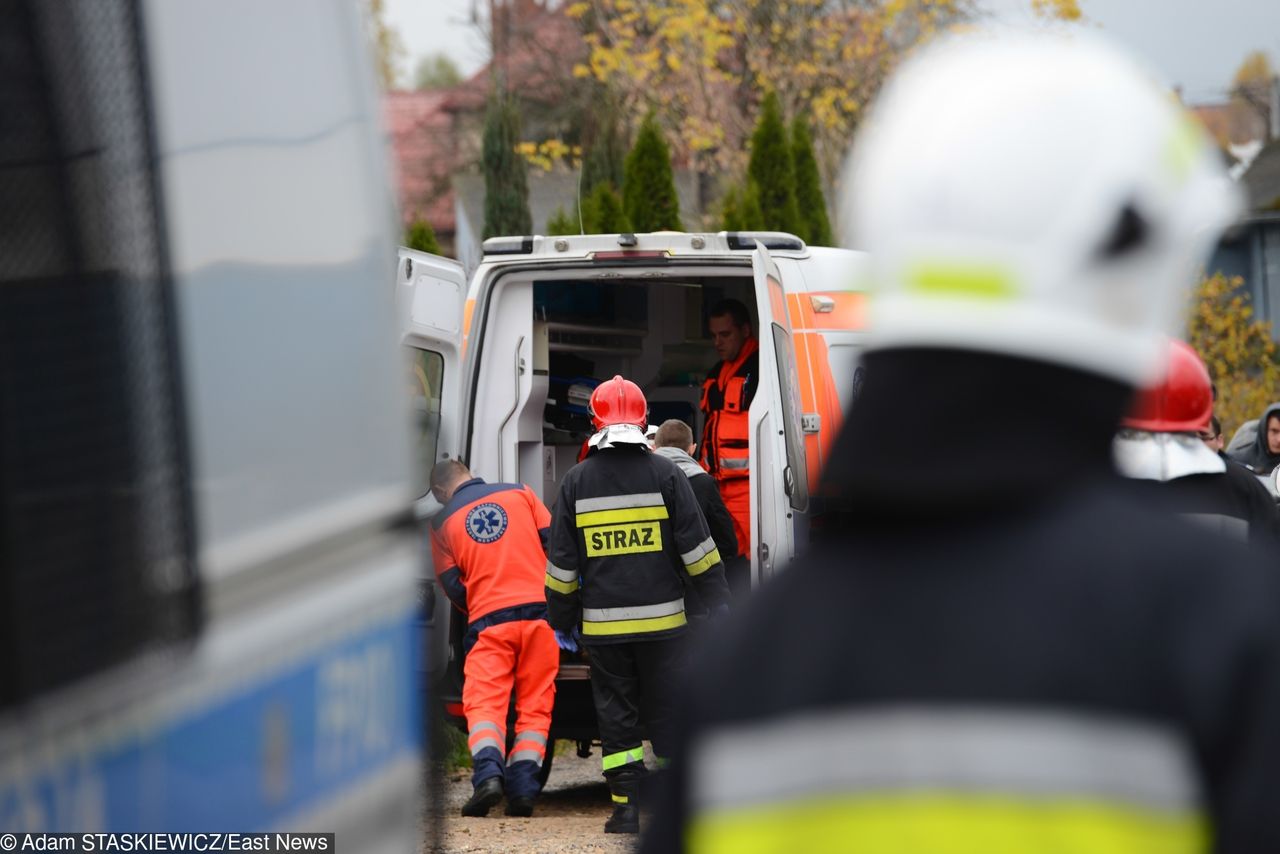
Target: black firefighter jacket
[(624, 527), (986, 655)]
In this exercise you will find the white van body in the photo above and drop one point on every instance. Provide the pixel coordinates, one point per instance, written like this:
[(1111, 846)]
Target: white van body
[(291, 700)]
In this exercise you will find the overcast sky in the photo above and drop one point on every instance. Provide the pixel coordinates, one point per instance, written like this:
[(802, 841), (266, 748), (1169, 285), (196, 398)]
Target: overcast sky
[(1195, 44)]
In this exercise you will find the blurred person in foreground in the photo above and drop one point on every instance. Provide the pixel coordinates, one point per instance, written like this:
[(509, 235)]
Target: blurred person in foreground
[(1262, 455), (674, 440), (1159, 447), (625, 537), (996, 648), (488, 546)]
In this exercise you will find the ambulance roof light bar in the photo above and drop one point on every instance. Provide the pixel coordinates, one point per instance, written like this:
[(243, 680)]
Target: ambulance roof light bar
[(767, 239), (520, 245)]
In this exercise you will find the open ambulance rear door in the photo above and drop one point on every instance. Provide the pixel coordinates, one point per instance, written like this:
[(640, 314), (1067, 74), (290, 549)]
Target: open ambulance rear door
[(779, 473), (430, 292)]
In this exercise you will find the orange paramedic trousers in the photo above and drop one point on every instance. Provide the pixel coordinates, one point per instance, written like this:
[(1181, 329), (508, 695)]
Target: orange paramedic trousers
[(736, 494), (522, 653)]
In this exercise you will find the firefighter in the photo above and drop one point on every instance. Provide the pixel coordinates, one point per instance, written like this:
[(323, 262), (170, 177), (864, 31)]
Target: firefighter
[(727, 393), (488, 545), (1159, 447), (995, 647), (626, 529)]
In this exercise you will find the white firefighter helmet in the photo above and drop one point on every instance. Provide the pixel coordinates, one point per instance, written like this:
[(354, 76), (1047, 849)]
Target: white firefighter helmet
[(1035, 195)]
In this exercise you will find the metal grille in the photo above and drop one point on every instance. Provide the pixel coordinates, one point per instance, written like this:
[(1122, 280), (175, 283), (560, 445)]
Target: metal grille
[(95, 521)]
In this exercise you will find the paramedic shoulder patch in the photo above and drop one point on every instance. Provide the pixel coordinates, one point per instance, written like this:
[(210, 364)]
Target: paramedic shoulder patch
[(486, 522), (632, 538)]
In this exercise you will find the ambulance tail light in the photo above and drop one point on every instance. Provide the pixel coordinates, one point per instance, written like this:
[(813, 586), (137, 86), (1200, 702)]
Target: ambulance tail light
[(625, 255)]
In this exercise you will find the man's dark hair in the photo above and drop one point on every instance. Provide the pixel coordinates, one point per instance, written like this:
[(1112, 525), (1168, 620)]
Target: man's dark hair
[(734, 308), (1215, 425), (673, 433), (446, 472)]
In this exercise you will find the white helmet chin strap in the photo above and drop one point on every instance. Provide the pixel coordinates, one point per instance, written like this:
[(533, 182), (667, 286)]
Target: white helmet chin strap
[(1163, 456)]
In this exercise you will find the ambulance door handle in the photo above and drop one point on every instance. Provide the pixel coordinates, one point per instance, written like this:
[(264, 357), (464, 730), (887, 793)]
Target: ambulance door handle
[(514, 404), (765, 568)]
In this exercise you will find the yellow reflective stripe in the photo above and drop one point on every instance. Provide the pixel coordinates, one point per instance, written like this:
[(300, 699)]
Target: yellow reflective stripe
[(614, 517), (616, 760), (628, 627), (961, 280), (561, 586), (620, 799), (947, 824), (634, 538), (704, 563)]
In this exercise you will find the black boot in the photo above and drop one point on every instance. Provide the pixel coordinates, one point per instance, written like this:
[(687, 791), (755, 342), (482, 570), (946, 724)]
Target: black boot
[(484, 798), (520, 806), (626, 814)]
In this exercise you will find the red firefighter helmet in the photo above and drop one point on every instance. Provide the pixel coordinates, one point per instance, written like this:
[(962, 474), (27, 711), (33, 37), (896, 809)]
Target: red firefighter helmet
[(1183, 403), (618, 401)]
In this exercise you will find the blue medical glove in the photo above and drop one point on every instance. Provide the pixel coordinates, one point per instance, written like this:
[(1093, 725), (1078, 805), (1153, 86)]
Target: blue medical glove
[(566, 641)]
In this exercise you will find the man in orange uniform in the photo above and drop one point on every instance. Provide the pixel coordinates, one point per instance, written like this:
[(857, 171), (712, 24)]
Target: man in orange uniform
[(488, 544), (726, 396)]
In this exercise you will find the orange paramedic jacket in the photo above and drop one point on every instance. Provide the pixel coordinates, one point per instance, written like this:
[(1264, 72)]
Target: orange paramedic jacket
[(488, 548)]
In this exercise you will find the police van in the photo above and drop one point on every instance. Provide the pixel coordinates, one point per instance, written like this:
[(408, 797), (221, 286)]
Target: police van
[(207, 559), (506, 362)]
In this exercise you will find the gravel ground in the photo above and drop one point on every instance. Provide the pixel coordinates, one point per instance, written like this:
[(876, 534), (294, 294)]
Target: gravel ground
[(569, 816)]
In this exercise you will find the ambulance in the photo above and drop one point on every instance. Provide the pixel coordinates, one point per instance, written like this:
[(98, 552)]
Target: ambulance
[(504, 362)]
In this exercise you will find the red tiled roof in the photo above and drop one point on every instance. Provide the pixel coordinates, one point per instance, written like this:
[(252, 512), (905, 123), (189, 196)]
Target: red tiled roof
[(425, 148)]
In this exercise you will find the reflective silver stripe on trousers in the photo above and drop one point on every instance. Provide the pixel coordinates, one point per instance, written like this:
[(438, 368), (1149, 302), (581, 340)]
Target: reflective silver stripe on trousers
[(734, 463), (561, 574), (530, 735), (618, 502), (697, 552), (996, 751), (636, 612), (481, 726), (525, 756), (1228, 526), (487, 741)]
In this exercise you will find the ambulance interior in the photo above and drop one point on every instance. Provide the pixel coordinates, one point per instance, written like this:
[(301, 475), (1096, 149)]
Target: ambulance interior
[(550, 338)]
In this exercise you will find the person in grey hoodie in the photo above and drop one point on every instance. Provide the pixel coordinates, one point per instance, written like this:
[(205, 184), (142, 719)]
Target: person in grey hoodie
[(1263, 455), (674, 441)]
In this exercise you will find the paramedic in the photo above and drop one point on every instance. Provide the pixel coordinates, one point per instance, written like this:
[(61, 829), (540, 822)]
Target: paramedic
[(488, 547), (727, 393)]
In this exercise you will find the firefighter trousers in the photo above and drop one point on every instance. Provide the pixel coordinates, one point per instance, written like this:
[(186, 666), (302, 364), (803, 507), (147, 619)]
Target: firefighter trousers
[(523, 655), (633, 687)]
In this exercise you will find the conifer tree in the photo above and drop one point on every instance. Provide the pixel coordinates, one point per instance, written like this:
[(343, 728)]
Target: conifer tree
[(649, 187), (605, 150), (772, 170), (506, 187), (422, 236), (602, 212), (812, 204), (562, 222), (741, 209)]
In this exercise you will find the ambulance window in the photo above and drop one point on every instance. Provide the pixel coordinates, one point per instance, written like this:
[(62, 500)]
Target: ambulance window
[(426, 378), (96, 534), (799, 489)]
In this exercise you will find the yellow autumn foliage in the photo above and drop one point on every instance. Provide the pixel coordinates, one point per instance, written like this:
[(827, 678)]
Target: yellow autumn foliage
[(1237, 348)]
